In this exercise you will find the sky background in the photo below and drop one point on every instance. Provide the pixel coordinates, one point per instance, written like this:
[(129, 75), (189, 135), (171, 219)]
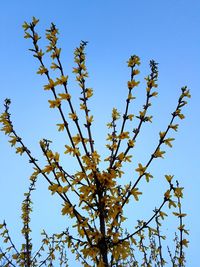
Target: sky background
[(166, 31)]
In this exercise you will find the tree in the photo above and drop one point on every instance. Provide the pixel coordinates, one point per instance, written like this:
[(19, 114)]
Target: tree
[(101, 194)]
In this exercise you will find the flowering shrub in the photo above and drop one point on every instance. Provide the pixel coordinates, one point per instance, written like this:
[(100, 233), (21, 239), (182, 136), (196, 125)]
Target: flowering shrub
[(98, 216)]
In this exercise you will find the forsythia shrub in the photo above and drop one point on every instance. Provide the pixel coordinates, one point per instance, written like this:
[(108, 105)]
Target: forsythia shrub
[(98, 216)]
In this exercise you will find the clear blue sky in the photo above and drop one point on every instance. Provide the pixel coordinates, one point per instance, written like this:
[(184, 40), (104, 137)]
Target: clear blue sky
[(166, 31)]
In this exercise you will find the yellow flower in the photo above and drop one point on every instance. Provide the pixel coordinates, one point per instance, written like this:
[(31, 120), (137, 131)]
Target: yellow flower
[(50, 85), (95, 157), (73, 116), (162, 214), (110, 137), (178, 192), (26, 26), (136, 71), (120, 156), (124, 135), (154, 93), (162, 134), (136, 193), (42, 70), (130, 96), (185, 242), (54, 103), (56, 157), (171, 203), (76, 139), (174, 127), (168, 141), (133, 60), (64, 96), (128, 158), (132, 84), (13, 140), (148, 176), (131, 143), (39, 54), (83, 106), (130, 117), (56, 53), (50, 154), (15, 256), (61, 175), (20, 150), (115, 114), (167, 194), (27, 35), (159, 153), (67, 209), (179, 114), (169, 178), (140, 169), (75, 70), (151, 83), (53, 188), (35, 21), (89, 92), (48, 169), (185, 92), (61, 126), (180, 215), (89, 119), (69, 149), (82, 66), (142, 113), (62, 80), (54, 66)]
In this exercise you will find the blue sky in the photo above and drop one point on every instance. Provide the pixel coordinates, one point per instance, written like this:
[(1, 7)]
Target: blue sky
[(166, 31)]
